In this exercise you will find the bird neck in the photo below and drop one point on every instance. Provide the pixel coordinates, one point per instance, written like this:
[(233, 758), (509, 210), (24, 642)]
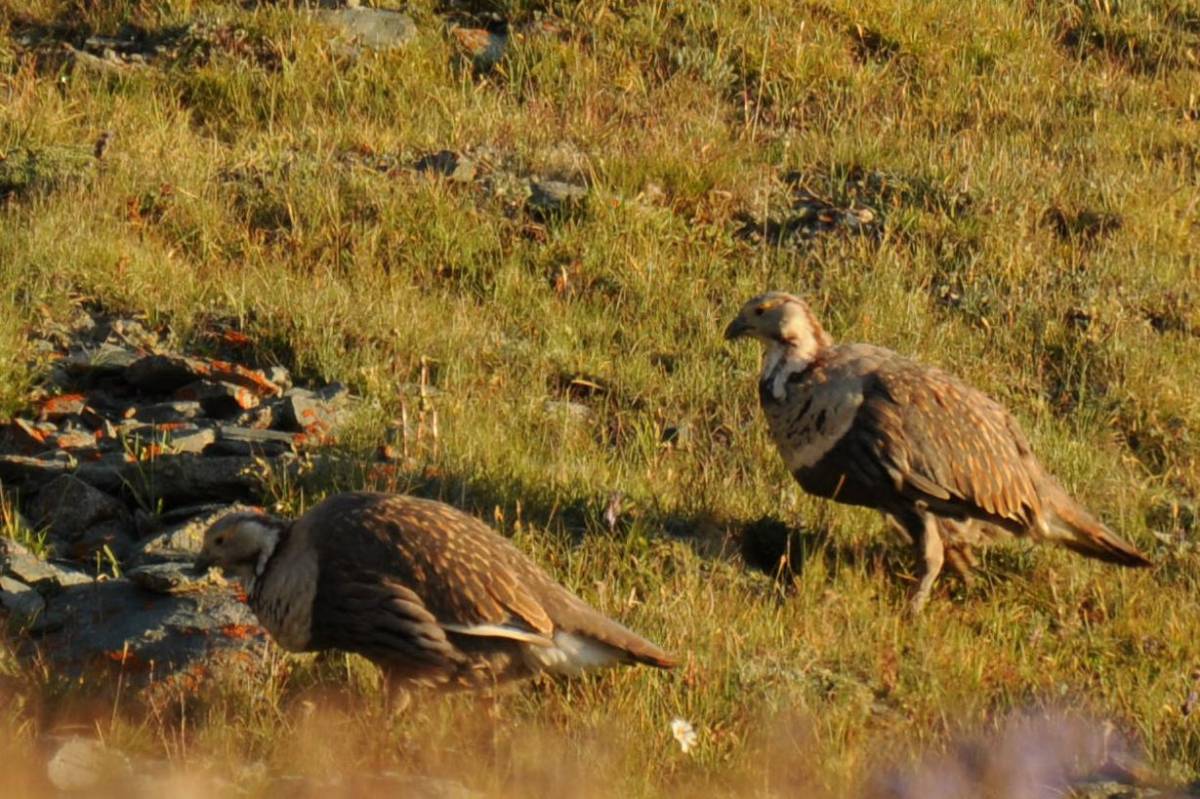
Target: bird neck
[(786, 357), (271, 538), (270, 543)]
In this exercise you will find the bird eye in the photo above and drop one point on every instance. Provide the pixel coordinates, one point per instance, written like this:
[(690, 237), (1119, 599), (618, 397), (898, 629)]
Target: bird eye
[(219, 540), (758, 311)]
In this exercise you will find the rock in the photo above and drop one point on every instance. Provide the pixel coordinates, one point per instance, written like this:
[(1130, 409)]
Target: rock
[(148, 635), (254, 435), (169, 578), (190, 439), (280, 376), (19, 562), (101, 66), (858, 219), (555, 197), (21, 436), (30, 472), (83, 764), (131, 331), (485, 47), (234, 440), (263, 417), (73, 440), (176, 411), (70, 507), (104, 359), (217, 398), (22, 603), (81, 323), (47, 577), (160, 373), (370, 28), (448, 164), (312, 413), (56, 408), (113, 539), (334, 393), (165, 373)]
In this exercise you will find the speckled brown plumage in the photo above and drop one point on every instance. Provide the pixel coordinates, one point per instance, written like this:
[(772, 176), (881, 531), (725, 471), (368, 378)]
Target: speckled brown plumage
[(863, 425), (430, 594)]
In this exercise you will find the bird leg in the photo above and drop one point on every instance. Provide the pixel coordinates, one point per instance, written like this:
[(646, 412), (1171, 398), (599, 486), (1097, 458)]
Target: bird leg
[(897, 526), (932, 553), (396, 698), (962, 560)]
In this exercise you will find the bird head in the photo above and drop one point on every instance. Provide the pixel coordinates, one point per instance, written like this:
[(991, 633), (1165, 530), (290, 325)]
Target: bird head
[(240, 544), (779, 319)]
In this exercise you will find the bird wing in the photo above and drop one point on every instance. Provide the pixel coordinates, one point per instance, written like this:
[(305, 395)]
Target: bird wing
[(463, 574), (373, 614), (948, 444)]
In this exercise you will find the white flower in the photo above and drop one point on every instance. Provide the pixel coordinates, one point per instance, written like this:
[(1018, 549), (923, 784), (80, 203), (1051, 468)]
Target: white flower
[(684, 733)]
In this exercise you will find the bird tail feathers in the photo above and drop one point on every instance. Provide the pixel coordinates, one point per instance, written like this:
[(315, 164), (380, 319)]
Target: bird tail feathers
[(1076, 529)]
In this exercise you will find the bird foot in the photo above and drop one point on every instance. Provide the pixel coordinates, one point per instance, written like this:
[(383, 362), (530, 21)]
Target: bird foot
[(919, 599)]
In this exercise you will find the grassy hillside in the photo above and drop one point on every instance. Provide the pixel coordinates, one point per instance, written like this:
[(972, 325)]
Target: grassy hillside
[(1029, 173)]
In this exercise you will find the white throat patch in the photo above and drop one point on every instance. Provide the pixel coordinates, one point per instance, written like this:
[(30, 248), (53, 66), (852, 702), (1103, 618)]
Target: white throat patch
[(270, 539), (780, 362)]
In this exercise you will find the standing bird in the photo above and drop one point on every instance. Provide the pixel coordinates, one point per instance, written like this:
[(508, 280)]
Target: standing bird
[(862, 425), (431, 595)]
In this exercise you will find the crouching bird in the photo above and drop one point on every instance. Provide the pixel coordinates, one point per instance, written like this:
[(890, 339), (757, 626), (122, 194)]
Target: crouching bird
[(862, 425), (431, 595)]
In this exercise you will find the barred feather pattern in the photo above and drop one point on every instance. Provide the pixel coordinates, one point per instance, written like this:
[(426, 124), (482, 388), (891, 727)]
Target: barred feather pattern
[(433, 596), (863, 425)]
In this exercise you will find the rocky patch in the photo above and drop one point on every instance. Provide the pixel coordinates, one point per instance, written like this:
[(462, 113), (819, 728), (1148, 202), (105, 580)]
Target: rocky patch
[(127, 453)]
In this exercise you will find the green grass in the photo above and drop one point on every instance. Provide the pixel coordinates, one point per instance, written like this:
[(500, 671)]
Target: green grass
[(1034, 166)]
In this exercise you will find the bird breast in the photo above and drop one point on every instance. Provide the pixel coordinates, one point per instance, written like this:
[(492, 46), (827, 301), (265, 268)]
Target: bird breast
[(284, 599), (817, 409)]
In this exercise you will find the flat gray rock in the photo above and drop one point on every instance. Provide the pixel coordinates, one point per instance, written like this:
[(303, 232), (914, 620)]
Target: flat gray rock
[(190, 439), (370, 28), (160, 373), (254, 435), (22, 603), (176, 411), (26, 471), (104, 359), (81, 519), (170, 578), (16, 560), (69, 507), (312, 413), (147, 634), (218, 398)]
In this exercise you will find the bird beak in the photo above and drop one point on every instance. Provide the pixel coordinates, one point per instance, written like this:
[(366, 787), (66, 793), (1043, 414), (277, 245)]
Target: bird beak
[(737, 328)]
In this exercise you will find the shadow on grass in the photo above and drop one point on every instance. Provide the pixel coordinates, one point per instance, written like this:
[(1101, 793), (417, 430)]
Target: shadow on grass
[(768, 545)]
